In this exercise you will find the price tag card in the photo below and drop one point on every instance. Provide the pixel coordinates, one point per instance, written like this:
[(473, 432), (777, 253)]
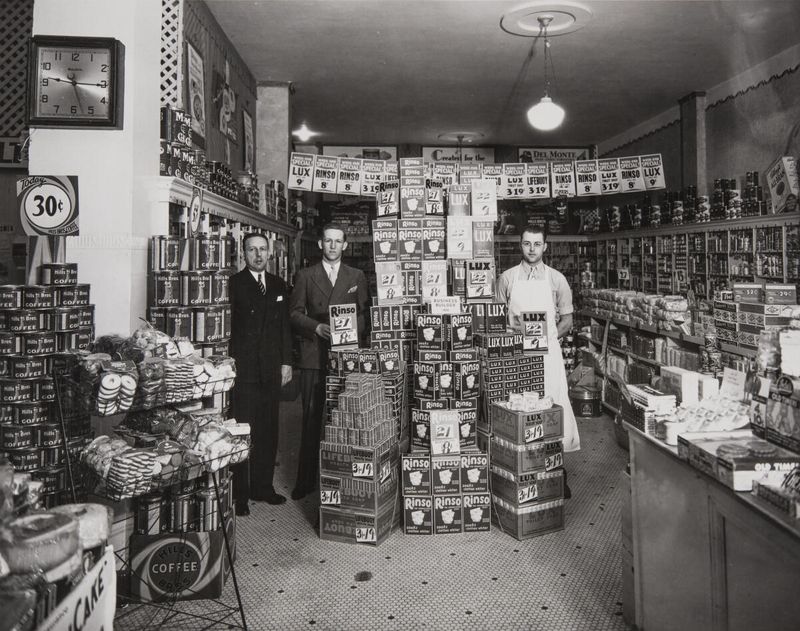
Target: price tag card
[(513, 181), (447, 172), (326, 173), (483, 201), (363, 469), (588, 178), (470, 171), (389, 280), (553, 462), (733, 383), (562, 178), (300, 171), (371, 176), (344, 324), (348, 181), (459, 237), (388, 197), (446, 305), (609, 176), (366, 535), (630, 170), (537, 180), (493, 173), (527, 494), (534, 432), (653, 171), (623, 273), (434, 197), (48, 205), (330, 497)]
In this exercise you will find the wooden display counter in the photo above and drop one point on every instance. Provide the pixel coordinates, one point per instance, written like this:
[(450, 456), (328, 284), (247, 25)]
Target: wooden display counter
[(704, 556)]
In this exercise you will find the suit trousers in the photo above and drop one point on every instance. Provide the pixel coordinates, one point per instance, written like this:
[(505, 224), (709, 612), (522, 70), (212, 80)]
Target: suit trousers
[(257, 404), (312, 389)]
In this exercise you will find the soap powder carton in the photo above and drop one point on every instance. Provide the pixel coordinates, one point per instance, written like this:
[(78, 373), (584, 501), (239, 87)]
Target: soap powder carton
[(384, 237), (412, 196), (444, 432), (420, 430), (430, 332), (349, 362), (459, 331), (458, 200), (482, 239), (368, 362), (447, 514), (389, 360), (534, 330), (467, 421), (496, 317), (480, 280), (434, 239), (783, 184), (418, 515), (446, 382), (467, 379), (475, 473), (416, 474), (425, 380), (446, 475), (409, 235), (344, 325), (477, 509)]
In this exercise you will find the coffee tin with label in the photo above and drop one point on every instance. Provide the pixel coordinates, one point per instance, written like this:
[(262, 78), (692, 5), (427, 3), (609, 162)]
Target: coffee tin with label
[(10, 296), (23, 367), (163, 159), (157, 317), (53, 479), (66, 318), (207, 513), (183, 513), (39, 343), (150, 517), (16, 390), (85, 316), (10, 343), (45, 389), (209, 324), (166, 289), (49, 434), (72, 296), (165, 253), (196, 288), (17, 436), (38, 297), (23, 320), (30, 413), (227, 316), (59, 273), (220, 287), (175, 160), (52, 456), (205, 253), (24, 459), (8, 412), (178, 322)]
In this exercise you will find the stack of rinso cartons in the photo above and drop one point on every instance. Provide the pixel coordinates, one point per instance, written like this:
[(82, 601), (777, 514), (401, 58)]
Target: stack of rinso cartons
[(41, 326), (189, 295)]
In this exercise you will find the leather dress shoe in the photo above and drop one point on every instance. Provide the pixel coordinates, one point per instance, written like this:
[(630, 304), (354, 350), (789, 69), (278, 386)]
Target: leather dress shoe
[(242, 509), (270, 498)]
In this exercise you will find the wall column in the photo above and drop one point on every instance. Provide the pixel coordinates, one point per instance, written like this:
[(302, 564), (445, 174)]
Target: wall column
[(693, 141), (273, 133)]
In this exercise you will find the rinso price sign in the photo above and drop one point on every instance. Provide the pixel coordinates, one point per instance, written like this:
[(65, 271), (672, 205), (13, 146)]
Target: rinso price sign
[(48, 205)]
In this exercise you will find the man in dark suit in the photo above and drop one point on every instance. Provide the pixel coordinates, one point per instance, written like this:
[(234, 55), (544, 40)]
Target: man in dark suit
[(329, 282), (261, 344)]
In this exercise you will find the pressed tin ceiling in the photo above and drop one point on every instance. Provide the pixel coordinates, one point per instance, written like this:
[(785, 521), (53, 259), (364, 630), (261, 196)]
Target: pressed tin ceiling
[(407, 71)]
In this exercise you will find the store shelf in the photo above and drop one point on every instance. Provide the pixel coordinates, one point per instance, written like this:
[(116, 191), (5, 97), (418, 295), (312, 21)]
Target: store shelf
[(609, 407), (681, 337), (787, 219), (737, 350), (177, 191), (645, 360)]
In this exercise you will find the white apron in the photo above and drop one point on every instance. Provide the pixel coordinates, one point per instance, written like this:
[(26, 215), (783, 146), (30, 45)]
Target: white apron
[(537, 295)]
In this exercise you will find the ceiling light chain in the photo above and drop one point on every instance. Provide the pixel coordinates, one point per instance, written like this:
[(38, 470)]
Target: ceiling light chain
[(546, 115)]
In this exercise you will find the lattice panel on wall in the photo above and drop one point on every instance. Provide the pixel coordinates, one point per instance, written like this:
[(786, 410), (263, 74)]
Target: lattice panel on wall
[(172, 53), (16, 25)]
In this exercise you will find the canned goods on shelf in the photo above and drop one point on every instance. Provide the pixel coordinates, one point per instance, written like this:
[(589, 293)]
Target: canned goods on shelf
[(166, 289), (10, 343), (150, 517), (16, 390), (17, 436), (7, 413), (52, 456), (24, 367), (220, 287), (73, 295), (165, 253), (208, 324), (183, 513), (53, 479), (166, 124), (163, 159), (31, 413), (66, 318), (24, 320), (73, 340), (24, 459), (207, 513), (39, 343), (45, 389), (175, 160), (59, 273), (49, 434), (205, 253), (85, 316), (157, 317), (178, 322), (38, 297), (196, 288), (10, 296), (227, 315)]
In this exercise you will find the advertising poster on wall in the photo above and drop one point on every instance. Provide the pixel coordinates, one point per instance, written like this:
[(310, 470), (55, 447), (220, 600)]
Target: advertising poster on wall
[(247, 131), (195, 72)]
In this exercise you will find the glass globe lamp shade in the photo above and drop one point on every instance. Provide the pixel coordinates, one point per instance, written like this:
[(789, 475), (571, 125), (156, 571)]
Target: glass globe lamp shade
[(546, 115)]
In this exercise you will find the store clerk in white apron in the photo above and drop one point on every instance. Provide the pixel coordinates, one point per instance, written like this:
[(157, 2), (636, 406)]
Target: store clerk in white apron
[(534, 286)]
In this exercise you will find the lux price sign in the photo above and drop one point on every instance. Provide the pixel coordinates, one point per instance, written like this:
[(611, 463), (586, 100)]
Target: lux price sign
[(48, 205), (534, 432)]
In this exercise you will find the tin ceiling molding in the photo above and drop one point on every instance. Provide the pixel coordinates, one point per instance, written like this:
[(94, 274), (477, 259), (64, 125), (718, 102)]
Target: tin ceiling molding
[(607, 153), (756, 86), (563, 17)]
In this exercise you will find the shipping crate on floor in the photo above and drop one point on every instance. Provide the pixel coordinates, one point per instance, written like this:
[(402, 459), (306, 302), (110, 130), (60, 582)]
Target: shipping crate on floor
[(363, 527), (346, 491), (527, 489), (364, 462), (530, 458), (527, 427), (528, 521)]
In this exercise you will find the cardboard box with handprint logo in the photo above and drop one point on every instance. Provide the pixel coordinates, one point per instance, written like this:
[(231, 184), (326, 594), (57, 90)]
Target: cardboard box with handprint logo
[(459, 331), (447, 514), (477, 511), (418, 515), (474, 473), (384, 239), (416, 470), (434, 239)]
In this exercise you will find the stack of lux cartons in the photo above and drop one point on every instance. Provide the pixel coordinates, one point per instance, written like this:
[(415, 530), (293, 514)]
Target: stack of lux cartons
[(358, 465), (527, 469), (754, 308)]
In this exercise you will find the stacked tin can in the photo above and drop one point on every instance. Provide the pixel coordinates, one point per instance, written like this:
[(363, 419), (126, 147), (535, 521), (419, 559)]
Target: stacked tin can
[(177, 157), (189, 290), (40, 327)]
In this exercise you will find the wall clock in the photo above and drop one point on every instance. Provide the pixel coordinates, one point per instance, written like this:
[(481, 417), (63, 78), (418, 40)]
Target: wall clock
[(76, 82)]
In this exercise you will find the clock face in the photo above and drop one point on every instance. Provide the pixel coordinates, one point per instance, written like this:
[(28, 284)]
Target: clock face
[(73, 83)]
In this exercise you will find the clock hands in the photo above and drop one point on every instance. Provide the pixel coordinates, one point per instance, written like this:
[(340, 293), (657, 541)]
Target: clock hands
[(73, 82)]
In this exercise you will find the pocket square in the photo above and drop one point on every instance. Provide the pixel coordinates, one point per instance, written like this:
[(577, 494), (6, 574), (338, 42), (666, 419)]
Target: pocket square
[(352, 289), (280, 299)]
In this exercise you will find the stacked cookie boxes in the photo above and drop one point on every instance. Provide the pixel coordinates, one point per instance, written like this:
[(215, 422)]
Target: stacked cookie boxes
[(358, 465), (754, 308), (527, 470), (189, 290), (40, 328)]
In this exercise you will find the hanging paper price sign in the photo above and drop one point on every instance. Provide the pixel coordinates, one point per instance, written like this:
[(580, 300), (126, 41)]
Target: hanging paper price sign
[(300, 171), (494, 172), (371, 175), (537, 180), (630, 170), (588, 178), (348, 180), (326, 173), (513, 181), (653, 171), (610, 178), (563, 178)]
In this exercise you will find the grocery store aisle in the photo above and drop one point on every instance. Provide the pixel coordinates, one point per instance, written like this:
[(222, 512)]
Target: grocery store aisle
[(568, 580)]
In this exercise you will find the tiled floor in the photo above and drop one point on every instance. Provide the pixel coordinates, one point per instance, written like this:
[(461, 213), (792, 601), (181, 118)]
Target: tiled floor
[(570, 580)]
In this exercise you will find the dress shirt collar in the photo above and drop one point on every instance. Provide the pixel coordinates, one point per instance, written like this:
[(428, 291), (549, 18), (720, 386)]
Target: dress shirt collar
[(329, 267), (529, 271), (257, 274)]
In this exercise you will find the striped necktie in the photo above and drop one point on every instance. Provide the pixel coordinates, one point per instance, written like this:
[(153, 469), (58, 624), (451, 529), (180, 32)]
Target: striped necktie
[(261, 286)]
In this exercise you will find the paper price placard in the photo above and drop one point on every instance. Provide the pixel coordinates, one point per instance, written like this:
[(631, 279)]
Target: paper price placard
[(447, 172), (344, 324), (483, 200), (301, 175), (512, 181), (363, 469), (528, 494), (469, 172), (631, 179), (388, 198), (653, 171), (459, 237), (330, 497), (537, 180), (371, 176), (366, 535), (610, 178), (562, 178), (348, 181), (535, 432), (434, 197), (587, 176), (326, 173), (494, 172), (553, 462), (48, 205)]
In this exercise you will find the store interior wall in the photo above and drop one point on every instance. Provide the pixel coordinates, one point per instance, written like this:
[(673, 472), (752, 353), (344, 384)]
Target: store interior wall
[(666, 141), (207, 36)]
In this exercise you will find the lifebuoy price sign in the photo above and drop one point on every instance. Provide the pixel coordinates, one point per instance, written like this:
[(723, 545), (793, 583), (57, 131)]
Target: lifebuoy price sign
[(48, 205)]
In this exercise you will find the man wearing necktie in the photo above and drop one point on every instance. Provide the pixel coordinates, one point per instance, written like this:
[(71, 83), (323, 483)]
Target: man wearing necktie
[(534, 286), (329, 282), (261, 344)]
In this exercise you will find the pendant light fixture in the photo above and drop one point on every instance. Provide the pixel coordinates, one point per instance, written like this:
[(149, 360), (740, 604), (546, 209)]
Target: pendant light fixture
[(546, 115), (304, 134)]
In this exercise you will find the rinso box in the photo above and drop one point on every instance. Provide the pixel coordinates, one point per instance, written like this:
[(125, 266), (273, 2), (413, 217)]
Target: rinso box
[(446, 475), (448, 515), (418, 515), (475, 473), (416, 470), (527, 427), (477, 512)]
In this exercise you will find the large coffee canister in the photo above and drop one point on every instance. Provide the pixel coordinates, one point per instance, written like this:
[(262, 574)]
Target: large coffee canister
[(585, 401)]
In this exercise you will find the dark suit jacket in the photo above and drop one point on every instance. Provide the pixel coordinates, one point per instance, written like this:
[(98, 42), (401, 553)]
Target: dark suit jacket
[(308, 306), (261, 338)]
